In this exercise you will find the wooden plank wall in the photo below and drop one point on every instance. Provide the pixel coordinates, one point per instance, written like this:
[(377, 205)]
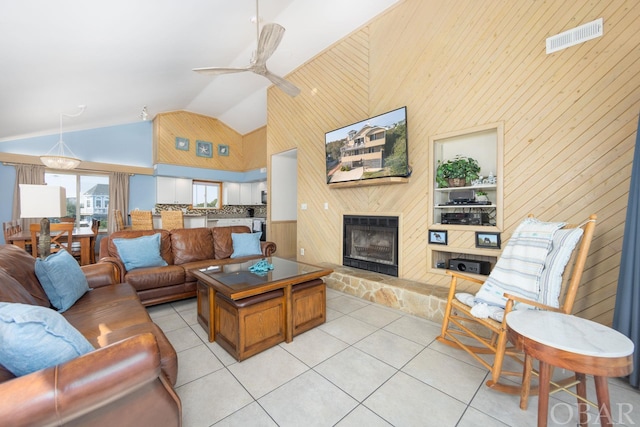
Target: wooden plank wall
[(254, 149), (570, 120), (168, 126)]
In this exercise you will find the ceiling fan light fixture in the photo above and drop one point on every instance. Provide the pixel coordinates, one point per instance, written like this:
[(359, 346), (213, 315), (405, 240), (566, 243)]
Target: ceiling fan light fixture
[(268, 40), (60, 156)]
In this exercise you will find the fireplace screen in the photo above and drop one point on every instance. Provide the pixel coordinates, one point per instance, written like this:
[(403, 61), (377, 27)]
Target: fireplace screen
[(371, 243)]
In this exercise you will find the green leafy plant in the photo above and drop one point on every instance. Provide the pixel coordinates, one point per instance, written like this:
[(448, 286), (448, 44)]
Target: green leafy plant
[(460, 167), (480, 193)]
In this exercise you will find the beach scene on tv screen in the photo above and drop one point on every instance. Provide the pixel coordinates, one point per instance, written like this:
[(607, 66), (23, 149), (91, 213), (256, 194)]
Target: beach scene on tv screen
[(373, 148)]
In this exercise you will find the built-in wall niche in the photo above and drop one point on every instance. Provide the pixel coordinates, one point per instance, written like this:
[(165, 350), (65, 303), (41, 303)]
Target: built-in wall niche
[(459, 210)]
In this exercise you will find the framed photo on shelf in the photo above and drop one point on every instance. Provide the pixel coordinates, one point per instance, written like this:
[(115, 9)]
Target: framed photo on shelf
[(487, 240), (438, 237), (182, 143), (204, 149), (223, 150)]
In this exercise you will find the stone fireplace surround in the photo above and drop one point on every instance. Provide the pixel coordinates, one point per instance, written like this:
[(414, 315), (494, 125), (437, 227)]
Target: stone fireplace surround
[(413, 297)]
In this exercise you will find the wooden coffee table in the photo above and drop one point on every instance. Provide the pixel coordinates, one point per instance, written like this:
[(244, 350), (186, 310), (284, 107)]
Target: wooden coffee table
[(236, 282)]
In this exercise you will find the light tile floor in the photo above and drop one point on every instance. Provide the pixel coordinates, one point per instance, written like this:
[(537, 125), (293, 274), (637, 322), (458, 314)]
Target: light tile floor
[(368, 365)]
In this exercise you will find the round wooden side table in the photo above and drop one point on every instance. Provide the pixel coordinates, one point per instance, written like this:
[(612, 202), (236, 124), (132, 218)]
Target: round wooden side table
[(573, 343)]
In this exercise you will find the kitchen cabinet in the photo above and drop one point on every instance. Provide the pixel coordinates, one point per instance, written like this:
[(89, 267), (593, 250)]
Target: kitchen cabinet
[(195, 221), (231, 193), (170, 190), (227, 222), (256, 191), (243, 193)]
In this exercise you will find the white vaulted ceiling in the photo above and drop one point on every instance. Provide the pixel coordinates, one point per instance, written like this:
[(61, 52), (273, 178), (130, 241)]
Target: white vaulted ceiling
[(117, 56)]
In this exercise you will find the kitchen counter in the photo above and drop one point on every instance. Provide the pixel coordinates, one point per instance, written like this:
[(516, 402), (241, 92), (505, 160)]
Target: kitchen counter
[(195, 220)]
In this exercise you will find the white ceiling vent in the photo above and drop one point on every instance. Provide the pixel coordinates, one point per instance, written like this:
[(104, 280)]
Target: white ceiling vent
[(575, 36)]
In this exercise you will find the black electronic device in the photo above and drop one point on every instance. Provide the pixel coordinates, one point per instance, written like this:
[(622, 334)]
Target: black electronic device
[(462, 196), (470, 266), (465, 218), (464, 203)]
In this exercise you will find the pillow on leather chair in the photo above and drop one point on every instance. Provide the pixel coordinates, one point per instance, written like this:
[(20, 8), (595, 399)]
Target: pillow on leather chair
[(143, 251), (35, 337), (246, 244), (62, 279)]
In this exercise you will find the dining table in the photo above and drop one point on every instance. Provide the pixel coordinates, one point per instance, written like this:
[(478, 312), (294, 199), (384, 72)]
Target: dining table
[(80, 234)]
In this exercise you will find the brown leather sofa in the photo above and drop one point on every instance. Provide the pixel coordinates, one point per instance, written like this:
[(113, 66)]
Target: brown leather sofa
[(130, 375), (183, 249)]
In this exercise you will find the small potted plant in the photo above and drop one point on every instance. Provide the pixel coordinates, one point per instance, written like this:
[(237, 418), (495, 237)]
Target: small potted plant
[(481, 196), (456, 172)]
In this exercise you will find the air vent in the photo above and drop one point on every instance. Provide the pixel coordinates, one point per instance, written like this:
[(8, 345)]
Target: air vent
[(575, 36)]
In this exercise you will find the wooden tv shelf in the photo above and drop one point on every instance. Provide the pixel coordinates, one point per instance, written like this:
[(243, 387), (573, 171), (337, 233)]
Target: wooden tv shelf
[(388, 180)]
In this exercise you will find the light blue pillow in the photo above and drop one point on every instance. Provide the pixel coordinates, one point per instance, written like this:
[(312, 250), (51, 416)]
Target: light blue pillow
[(35, 337), (143, 251), (62, 279), (246, 244)]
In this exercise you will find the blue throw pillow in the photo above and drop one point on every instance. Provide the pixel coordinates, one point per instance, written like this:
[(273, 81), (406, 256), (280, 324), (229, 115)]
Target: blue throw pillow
[(62, 279), (140, 252), (246, 244), (35, 337)]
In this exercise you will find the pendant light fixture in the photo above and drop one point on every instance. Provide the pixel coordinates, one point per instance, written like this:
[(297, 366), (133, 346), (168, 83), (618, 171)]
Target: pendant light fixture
[(60, 156)]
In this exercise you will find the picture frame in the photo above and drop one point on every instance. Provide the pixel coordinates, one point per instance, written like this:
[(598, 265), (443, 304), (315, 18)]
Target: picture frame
[(487, 240), (204, 149), (223, 150), (438, 237), (182, 143)]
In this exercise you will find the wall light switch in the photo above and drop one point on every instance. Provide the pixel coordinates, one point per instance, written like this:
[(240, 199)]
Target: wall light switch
[(302, 251), (303, 206), (326, 205)]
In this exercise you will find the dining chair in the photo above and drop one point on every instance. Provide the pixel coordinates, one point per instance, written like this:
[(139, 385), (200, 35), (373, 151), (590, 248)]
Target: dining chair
[(477, 323), (117, 213), (172, 220), (141, 220), (9, 228), (61, 237)]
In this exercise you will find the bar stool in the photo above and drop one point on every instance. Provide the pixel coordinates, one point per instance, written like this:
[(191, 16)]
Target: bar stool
[(573, 343)]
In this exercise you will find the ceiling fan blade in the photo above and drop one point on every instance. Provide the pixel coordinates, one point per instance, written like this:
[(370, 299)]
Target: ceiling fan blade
[(285, 85), (270, 38), (214, 71)]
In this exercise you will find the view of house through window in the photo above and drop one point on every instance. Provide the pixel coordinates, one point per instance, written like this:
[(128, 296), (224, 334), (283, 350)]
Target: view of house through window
[(206, 194), (87, 196)]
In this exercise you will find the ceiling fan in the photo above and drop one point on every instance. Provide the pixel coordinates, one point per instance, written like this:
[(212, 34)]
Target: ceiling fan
[(268, 41)]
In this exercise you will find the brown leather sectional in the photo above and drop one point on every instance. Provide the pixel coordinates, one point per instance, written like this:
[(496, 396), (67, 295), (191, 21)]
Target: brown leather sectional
[(183, 249), (128, 378)]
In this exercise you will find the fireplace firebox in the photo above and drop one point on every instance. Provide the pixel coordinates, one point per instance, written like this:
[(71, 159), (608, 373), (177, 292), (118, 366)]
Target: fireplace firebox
[(371, 243)]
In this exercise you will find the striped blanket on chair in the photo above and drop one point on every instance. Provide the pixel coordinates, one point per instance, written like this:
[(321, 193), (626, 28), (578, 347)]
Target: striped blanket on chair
[(520, 266)]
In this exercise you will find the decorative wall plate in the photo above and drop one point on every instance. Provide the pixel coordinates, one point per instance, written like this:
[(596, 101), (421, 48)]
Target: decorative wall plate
[(223, 150), (182, 143), (204, 149)]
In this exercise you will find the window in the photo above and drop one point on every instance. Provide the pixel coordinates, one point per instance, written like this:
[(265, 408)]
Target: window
[(87, 196), (206, 194)]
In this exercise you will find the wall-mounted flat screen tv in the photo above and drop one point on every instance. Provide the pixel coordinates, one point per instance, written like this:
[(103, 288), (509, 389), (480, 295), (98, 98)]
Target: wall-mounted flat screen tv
[(373, 148)]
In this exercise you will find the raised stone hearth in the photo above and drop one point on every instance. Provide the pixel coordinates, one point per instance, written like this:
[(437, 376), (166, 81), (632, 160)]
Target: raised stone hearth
[(416, 298)]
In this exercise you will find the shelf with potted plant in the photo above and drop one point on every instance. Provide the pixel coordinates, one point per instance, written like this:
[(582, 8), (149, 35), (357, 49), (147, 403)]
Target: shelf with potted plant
[(469, 163)]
